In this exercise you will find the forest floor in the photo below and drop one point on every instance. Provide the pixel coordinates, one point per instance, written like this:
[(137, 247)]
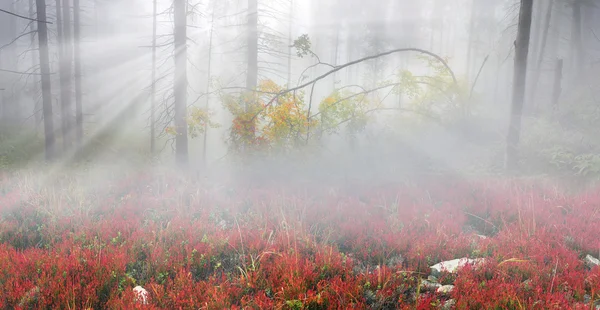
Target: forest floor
[(192, 246)]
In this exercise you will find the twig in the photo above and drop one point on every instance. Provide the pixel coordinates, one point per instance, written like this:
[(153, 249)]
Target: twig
[(25, 17), (477, 77), (23, 73)]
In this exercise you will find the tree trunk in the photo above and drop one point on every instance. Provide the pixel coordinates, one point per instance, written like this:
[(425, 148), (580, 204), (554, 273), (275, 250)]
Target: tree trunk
[(540, 57), (45, 77), (470, 47), (180, 87), (577, 41), (252, 32), (519, 80), (78, 92), (290, 42), (153, 81), (208, 80), (32, 28), (68, 69), (557, 84)]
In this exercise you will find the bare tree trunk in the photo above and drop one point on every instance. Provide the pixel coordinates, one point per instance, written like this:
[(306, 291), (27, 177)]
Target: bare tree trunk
[(336, 51), (540, 57), (290, 42), (78, 92), (208, 80), (519, 80), (45, 76), (67, 67), (14, 105), (557, 84), (32, 28), (252, 32), (471, 38), (180, 87), (153, 85), (577, 41)]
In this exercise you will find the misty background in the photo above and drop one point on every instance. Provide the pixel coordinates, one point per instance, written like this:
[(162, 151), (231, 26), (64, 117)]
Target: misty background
[(144, 83)]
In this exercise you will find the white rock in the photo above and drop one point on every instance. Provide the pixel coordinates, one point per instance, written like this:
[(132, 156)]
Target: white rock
[(452, 265), (445, 289), (591, 261), (141, 295)]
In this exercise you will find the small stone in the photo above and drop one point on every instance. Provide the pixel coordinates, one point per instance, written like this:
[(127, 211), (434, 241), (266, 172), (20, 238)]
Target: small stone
[(445, 289), (30, 298), (449, 304), (452, 265), (141, 295), (430, 286), (591, 261)]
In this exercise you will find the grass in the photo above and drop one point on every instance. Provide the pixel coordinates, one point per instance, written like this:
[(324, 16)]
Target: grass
[(193, 245)]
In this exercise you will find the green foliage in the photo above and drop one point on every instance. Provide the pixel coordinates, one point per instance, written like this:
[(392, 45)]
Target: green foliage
[(302, 45)]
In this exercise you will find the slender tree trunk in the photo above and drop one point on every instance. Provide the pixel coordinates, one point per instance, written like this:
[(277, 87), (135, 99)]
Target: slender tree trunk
[(519, 80), (471, 38), (14, 104), (60, 45), (180, 87), (153, 81), (577, 41), (32, 28), (208, 80), (557, 89), (78, 91), (290, 42), (336, 51), (68, 68), (540, 57), (252, 30), (45, 77)]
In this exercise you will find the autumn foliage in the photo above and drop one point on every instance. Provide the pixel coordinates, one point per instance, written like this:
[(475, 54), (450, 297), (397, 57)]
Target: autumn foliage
[(193, 247)]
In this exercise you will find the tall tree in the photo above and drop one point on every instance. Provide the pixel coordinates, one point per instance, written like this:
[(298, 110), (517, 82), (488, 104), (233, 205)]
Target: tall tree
[(252, 45), (208, 80), (153, 85), (77, 53), (33, 29), (540, 57), (45, 76), (519, 80), (181, 82), (68, 69), (577, 39)]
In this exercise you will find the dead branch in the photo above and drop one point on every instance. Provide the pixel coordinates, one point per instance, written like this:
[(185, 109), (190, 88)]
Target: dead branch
[(25, 17)]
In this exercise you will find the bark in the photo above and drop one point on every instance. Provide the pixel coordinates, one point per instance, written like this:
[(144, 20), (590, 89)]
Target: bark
[(519, 80), (32, 28), (471, 38), (153, 86), (68, 70), (45, 77), (290, 42), (180, 87), (208, 80), (78, 91), (252, 33), (577, 40), (540, 57)]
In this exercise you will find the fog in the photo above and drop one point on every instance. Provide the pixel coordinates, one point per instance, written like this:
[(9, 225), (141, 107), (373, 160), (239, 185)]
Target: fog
[(421, 123), (299, 154)]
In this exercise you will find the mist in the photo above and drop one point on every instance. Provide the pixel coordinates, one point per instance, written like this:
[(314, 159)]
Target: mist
[(258, 124)]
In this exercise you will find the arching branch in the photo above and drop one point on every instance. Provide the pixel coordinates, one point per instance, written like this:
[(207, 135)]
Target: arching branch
[(340, 67)]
